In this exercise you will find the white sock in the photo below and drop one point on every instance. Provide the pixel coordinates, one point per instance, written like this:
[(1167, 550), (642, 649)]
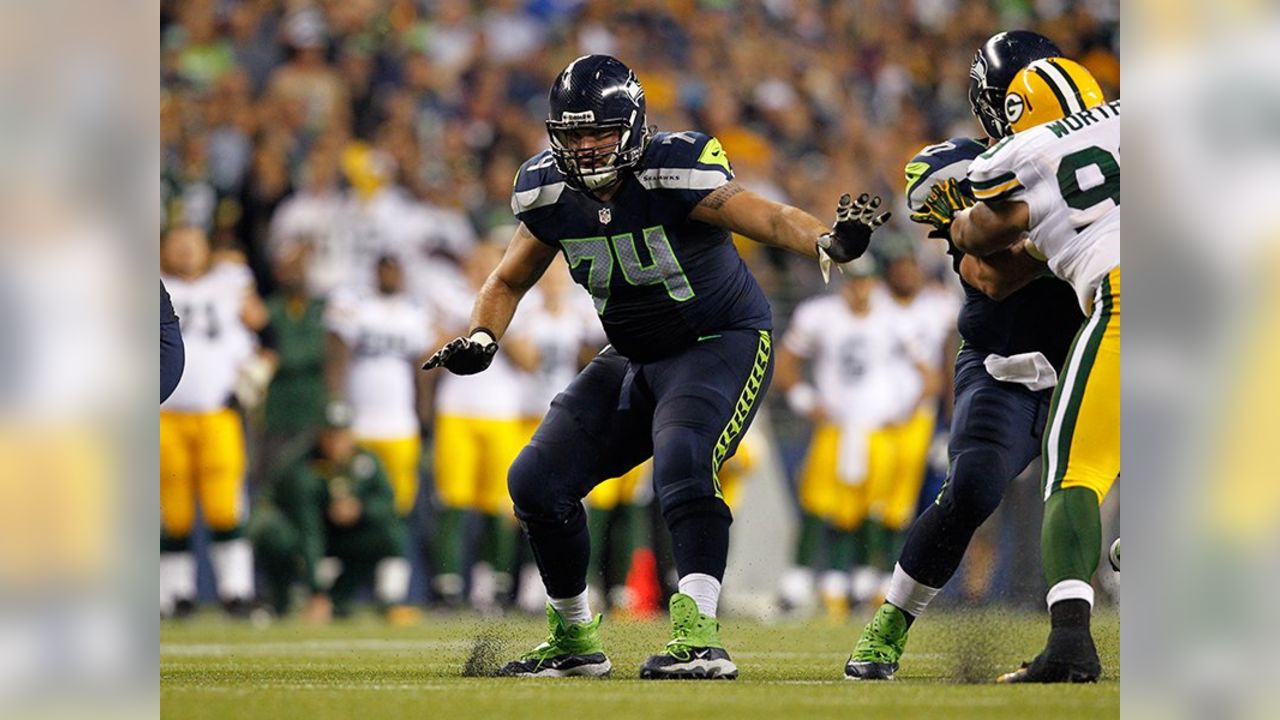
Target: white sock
[(391, 580), (796, 586), (532, 596), (1070, 590), (574, 610), (704, 589), (177, 579), (233, 567), (484, 590), (835, 584), (866, 580), (327, 570), (908, 595)]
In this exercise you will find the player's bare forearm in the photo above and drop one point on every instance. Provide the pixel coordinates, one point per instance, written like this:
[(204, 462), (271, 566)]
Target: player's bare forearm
[(988, 228), (1003, 272), (524, 262), (739, 210)]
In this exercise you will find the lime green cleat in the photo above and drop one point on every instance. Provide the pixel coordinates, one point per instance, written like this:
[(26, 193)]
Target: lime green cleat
[(876, 655), (569, 650), (695, 651)]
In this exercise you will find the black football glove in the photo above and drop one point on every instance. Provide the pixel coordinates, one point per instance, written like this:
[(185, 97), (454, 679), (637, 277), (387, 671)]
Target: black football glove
[(465, 355), (940, 207), (850, 236)]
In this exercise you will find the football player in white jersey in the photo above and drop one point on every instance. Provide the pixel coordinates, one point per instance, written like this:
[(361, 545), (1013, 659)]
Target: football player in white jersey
[(201, 436), (479, 430), (1053, 188), (925, 318), (376, 342), (853, 346)]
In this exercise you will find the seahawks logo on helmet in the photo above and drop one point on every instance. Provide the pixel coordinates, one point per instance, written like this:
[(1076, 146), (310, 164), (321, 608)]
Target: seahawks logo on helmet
[(978, 71)]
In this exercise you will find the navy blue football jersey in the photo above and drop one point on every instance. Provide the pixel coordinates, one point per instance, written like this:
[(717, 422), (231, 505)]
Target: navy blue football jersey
[(659, 279), (1043, 316)]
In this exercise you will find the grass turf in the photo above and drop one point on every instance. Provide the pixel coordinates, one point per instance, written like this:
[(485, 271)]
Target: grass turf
[(215, 668)]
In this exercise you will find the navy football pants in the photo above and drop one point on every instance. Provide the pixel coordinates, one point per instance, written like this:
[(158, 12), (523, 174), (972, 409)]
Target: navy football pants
[(995, 434), (688, 412)]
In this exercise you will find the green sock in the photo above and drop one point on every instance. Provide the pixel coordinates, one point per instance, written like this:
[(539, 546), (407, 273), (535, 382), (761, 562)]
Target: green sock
[(842, 551), (448, 541), (878, 543), (809, 541), (502, 544), (1071, 536)]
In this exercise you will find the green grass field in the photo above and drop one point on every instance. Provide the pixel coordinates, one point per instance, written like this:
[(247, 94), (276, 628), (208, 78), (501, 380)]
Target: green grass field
[(215, 668)]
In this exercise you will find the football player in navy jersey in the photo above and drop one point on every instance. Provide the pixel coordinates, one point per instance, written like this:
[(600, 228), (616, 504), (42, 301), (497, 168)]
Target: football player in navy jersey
[(644, 221), (1004, 374)]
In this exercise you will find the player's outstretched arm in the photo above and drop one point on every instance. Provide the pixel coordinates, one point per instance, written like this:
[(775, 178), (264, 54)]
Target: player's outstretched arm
[(524, 262), (735, 208), (987, 228), (1003, 272)]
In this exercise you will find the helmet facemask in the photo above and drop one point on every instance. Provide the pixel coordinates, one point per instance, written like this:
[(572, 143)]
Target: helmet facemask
[(986, 102), (596, 167)]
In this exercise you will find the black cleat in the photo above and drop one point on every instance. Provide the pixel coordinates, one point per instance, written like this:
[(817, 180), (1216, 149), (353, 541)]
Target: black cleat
[(1069, 657)]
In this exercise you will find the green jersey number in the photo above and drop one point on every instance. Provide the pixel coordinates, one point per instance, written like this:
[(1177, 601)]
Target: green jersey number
[(1069, 180), (599, 253)]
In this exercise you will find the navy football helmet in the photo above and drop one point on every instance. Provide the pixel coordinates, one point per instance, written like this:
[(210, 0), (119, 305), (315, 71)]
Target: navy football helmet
[(994, 67), (596, 94)]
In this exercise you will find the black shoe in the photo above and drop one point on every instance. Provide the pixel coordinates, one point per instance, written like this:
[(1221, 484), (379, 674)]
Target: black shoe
[(1068, 657), (238, 608), (183, 609)]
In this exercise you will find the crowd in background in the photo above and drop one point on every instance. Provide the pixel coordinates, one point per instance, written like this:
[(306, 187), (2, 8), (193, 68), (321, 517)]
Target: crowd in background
[(313, 140)]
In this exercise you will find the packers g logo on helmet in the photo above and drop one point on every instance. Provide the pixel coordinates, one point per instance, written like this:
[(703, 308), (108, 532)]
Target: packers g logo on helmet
[(1047, 90)]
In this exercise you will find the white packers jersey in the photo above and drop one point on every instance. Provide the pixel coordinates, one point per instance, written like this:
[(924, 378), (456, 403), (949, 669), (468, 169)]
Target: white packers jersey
[(215, 340), (385, 335), (496, 393), (922, 325), (852, 357), (1068, 174), (559, 338)]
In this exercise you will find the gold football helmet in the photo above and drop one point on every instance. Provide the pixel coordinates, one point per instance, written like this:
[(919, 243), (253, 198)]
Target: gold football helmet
[(1049, 89)]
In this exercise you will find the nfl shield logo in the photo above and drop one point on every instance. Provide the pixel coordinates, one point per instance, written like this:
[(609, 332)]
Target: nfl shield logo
[(606, 215)]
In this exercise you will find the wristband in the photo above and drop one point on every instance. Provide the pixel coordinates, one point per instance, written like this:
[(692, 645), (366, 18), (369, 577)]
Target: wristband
[(802, 398), (482, 336)]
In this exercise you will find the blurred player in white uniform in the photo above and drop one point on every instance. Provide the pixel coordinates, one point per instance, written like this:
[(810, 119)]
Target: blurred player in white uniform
[(201, 436), (349, 230), (376, 342), (1052, 190), (852, 344), (925, 318), (479, 430)]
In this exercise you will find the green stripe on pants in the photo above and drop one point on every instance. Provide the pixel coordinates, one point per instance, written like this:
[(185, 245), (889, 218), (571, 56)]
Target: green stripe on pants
[(742, 409)]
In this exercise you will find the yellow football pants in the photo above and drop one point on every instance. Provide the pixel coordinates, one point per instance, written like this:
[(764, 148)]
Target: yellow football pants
[(896, 460), (472, 456), (1081, 446), (201, 453), (899, 459), (400, 458)]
